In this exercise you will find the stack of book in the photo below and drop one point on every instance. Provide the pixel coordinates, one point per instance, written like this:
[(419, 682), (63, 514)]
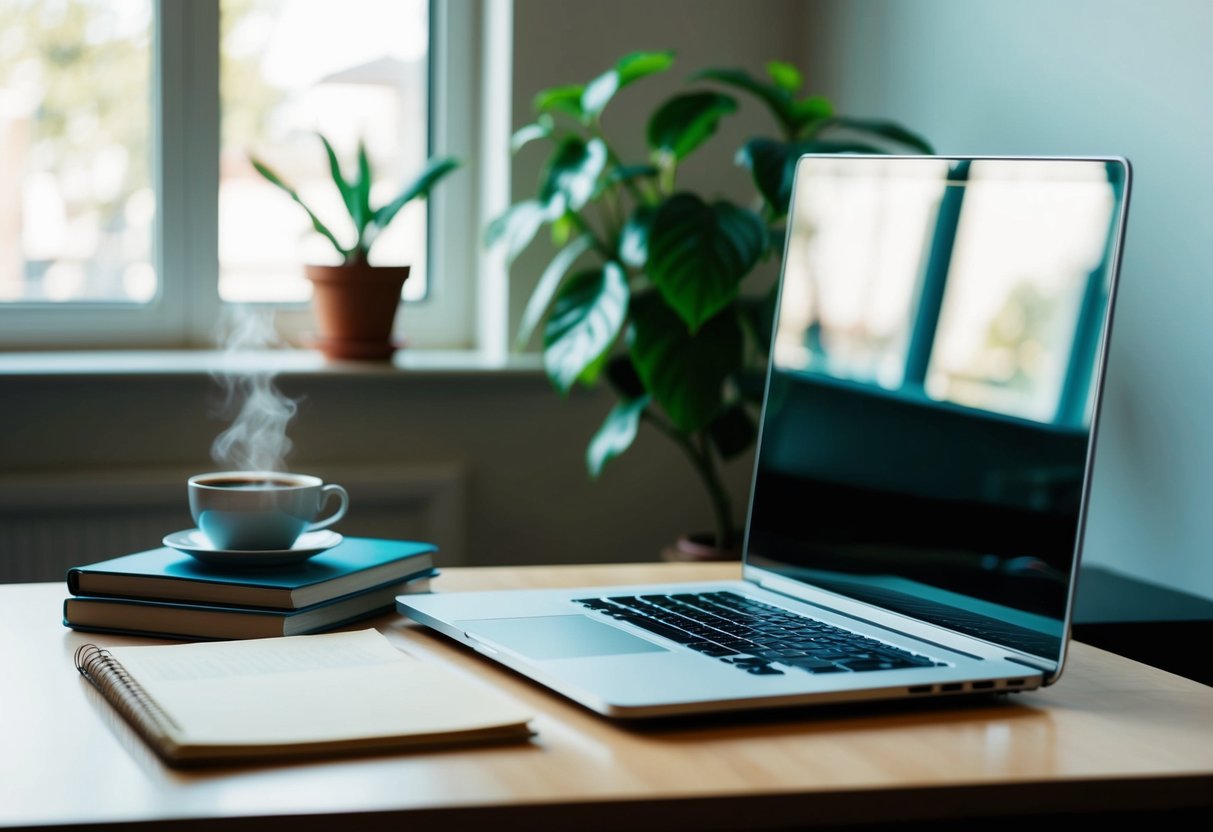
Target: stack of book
[(167, 593)]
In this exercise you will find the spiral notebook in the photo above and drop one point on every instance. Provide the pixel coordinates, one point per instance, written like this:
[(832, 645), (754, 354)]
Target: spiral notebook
[(256, 700)]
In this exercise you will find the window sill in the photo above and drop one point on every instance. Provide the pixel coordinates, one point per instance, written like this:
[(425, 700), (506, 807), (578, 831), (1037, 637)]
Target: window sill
[(183, 362)]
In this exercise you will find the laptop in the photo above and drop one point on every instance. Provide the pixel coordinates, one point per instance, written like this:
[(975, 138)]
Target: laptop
[(922, 471)]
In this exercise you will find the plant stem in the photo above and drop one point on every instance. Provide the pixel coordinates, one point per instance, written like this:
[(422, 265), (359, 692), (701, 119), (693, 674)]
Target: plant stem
[(596, 131), (603, 249), (721, 504), (667, 170), (616, 218), (700, 454)]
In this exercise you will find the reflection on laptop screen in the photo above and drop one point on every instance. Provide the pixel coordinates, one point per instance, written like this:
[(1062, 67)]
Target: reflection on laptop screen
[(935, 364)]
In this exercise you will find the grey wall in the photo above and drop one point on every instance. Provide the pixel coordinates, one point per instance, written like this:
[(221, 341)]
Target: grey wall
[(529, 499), (1083, 77)]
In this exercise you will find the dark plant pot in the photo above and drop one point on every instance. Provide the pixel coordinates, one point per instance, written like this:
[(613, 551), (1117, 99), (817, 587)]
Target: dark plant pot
[(354, 306), (698, 547)]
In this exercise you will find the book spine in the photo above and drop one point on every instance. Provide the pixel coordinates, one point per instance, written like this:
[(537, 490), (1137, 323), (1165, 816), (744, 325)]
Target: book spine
[(110, 678)]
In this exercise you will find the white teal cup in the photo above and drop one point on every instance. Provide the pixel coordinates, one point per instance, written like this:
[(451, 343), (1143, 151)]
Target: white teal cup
[(262, 510)]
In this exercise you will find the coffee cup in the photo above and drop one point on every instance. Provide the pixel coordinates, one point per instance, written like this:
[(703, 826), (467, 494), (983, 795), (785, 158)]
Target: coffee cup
[(261, 510)]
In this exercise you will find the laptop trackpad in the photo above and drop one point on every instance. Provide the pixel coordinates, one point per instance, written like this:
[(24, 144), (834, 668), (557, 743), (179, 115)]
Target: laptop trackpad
[(557, 636)]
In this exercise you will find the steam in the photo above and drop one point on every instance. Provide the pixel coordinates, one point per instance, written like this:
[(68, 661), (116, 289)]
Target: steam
[(256, 439)]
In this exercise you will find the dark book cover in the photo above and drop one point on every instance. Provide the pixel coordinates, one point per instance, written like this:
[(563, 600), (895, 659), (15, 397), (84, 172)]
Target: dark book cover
[(355, 564)]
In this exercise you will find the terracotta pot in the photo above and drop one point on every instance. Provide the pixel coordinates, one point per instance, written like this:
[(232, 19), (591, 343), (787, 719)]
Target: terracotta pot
[(354, 306), (698, 547)]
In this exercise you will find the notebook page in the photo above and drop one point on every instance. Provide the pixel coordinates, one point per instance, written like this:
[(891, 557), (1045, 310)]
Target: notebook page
[(304, 689)]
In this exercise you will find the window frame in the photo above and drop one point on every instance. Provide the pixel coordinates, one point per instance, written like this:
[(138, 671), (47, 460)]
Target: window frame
[(184, 124)]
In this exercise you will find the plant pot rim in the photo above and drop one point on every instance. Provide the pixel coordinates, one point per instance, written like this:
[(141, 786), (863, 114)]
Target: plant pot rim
[(330, 273)]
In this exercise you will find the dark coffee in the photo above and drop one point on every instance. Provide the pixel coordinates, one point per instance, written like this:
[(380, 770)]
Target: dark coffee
[(248, 483)]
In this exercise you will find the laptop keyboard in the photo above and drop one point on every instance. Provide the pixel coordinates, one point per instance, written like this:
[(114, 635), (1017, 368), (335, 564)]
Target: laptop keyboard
[(752, 636)]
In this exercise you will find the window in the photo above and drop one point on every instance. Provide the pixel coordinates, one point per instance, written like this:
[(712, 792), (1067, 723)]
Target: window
[(354, 71), (74, 153), (129, 212)]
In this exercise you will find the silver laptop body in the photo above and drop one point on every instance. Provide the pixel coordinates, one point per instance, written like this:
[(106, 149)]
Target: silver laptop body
[(923, 463)]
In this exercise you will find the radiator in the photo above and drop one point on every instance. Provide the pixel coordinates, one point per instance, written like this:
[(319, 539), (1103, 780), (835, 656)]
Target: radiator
[(51, 522)]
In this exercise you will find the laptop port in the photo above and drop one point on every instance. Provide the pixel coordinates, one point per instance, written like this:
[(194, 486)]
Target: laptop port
[(952, 687), (1014, 683), (921, 688), (982, 685)]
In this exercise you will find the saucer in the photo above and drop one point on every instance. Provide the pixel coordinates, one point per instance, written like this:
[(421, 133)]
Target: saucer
[(194, 542)]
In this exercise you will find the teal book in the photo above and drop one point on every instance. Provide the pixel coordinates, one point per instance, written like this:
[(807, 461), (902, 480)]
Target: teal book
[(211, 622), (165, 574)]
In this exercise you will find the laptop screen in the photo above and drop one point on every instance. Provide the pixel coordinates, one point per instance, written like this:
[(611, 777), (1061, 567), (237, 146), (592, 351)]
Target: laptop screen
[(934, 377)]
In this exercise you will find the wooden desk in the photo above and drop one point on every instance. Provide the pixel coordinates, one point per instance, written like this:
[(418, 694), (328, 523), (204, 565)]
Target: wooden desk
[(1113, 736)]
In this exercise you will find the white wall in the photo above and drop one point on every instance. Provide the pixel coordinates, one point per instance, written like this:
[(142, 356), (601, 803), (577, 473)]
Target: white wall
[(1083, 77)]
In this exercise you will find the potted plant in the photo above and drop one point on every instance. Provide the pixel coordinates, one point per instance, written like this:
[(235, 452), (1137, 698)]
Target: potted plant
[(648, 288), (354, 302)]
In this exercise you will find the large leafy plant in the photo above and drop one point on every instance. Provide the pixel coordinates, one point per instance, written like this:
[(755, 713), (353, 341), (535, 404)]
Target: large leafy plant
[(646, 288), (367, 221)]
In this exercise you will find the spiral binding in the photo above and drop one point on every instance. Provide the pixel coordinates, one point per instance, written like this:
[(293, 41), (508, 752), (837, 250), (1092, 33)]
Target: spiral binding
[(128, 697)]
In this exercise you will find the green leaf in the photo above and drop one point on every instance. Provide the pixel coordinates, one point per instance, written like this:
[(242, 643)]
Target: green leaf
[(813, 108), (562, 229), (768, 163), (773, 164), (362, 214), (586, 319), (882, 129), (517, 227), (616, 434), (571, 175), (628, 173), (275, 179), (634, 238), (545, 289), (345, 188), (686, 121), (758, 314), (777, 237), (685, 373), (698, 254), (564, 99), (777, 99), (541, 128), (433, 172), (785, 76), (733, 431), (633, 67), (590, 375), (621, 375), (750, 383), (623, 174)]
